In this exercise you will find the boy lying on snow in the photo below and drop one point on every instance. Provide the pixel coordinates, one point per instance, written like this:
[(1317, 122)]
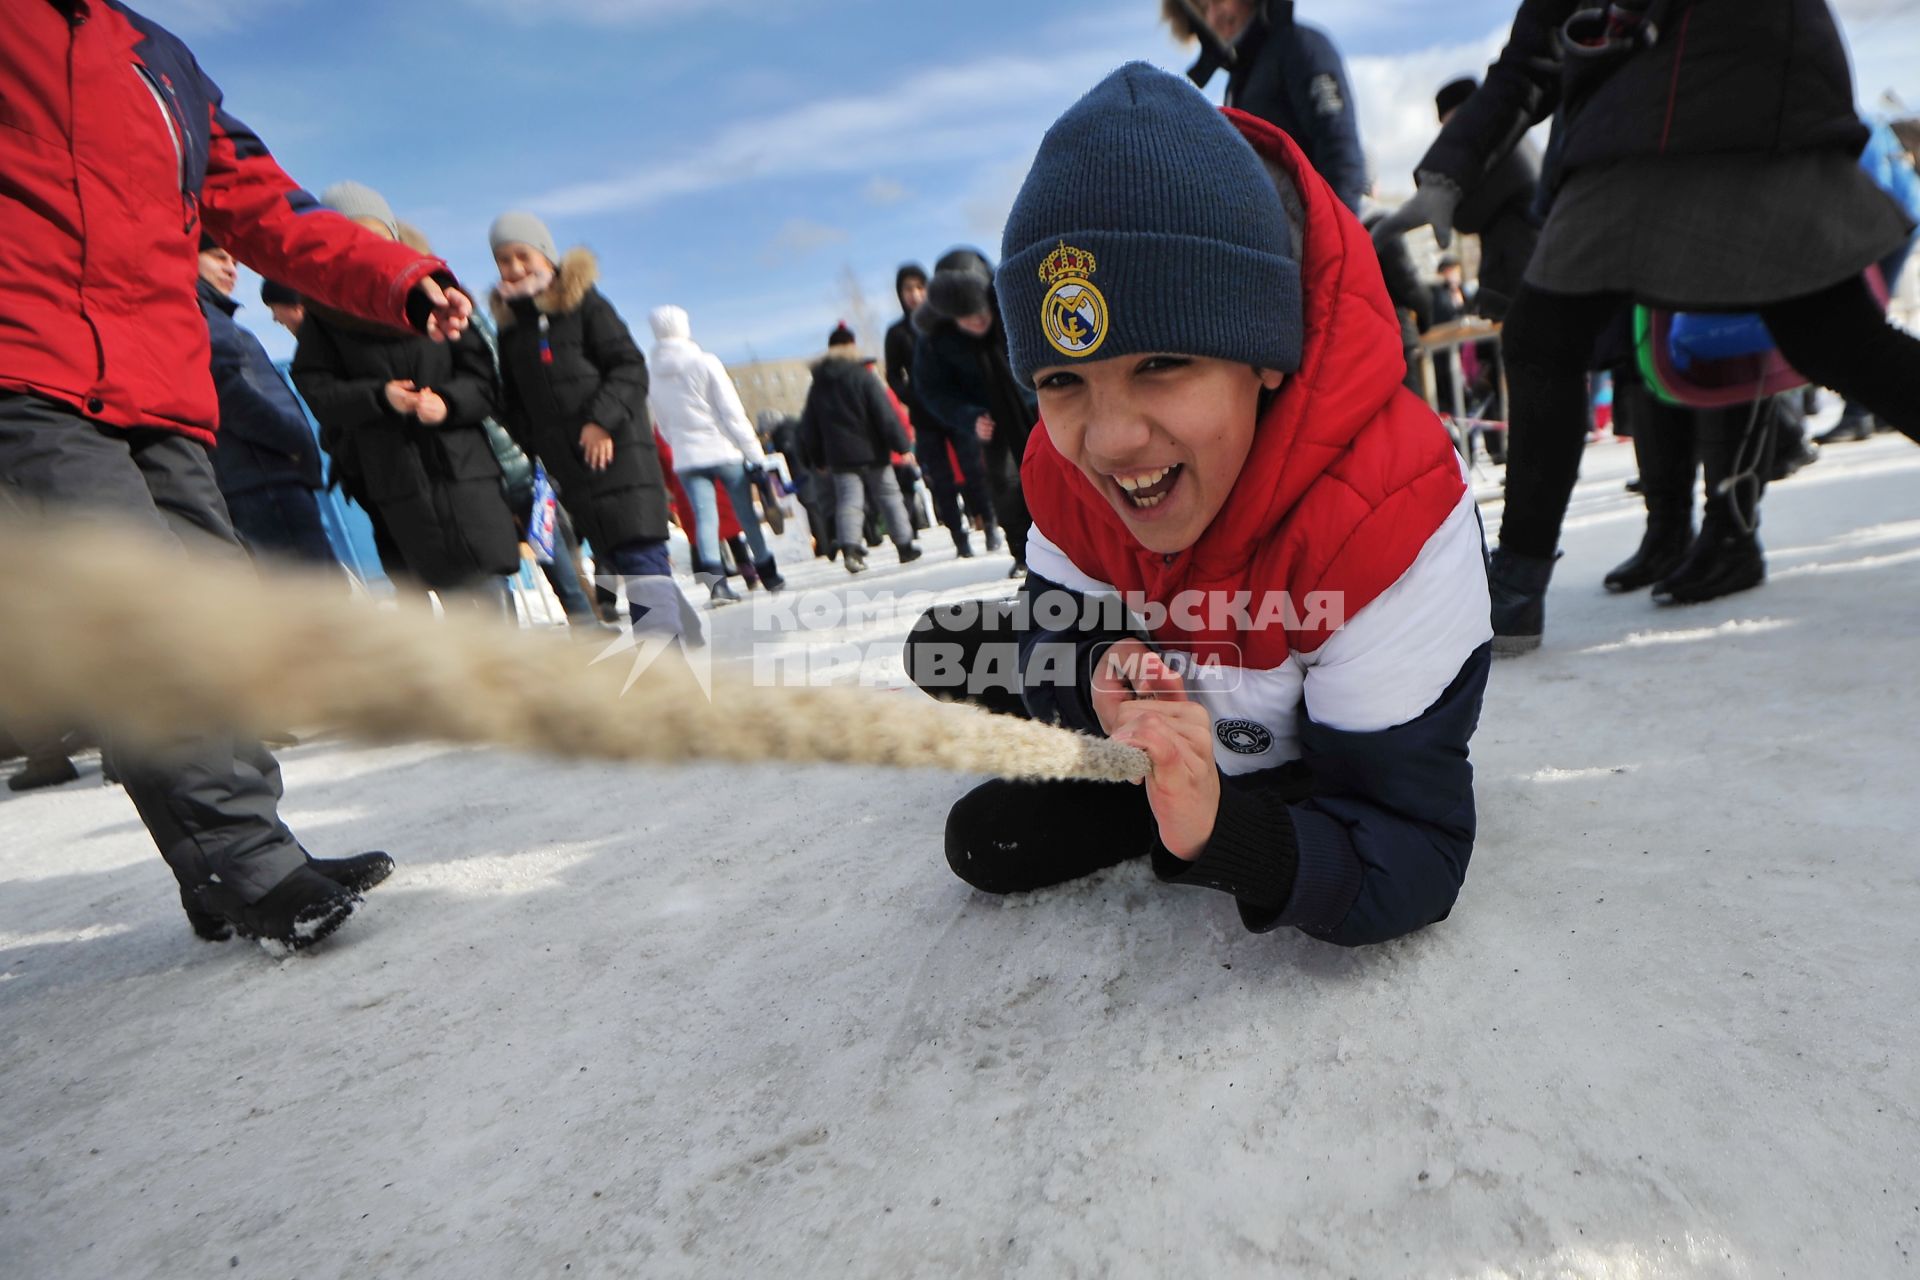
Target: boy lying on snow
[(1228, 452)]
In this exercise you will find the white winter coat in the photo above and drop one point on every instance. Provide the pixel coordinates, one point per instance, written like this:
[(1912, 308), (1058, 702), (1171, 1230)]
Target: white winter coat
[(693, 400)]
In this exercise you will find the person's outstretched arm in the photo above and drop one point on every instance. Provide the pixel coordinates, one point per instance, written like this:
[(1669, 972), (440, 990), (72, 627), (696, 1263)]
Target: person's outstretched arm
[(262, 217), (1522, 88)]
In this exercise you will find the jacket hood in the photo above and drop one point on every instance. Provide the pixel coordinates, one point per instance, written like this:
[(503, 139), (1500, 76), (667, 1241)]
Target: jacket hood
[(908, 270), (669, 323), (577, 274), (1351, 366)]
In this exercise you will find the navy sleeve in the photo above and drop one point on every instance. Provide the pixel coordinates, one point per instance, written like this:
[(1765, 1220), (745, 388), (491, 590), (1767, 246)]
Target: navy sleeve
[(254, 403), (942, 389), (1364, 839), (1056, 662), (1335, 124)]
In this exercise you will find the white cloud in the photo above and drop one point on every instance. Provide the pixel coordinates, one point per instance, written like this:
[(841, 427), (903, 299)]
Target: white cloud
[(608, 13), (800, 237), (1394, 96), (883, 191), (193, 18), (985, 109)]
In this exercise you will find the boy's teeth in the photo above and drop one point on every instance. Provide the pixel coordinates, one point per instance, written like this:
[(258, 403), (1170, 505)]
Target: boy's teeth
[(1148, 488), (1144, 480)]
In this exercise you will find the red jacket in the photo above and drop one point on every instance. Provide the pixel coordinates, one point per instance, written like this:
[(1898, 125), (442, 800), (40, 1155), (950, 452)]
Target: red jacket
[(114, 149), (1349, 474)]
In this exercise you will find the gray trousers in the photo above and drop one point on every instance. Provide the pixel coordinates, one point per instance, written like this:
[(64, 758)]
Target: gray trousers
[(211, 804), (853, 490)]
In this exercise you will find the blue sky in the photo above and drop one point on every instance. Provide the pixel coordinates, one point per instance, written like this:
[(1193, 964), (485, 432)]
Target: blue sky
[(757, 161)]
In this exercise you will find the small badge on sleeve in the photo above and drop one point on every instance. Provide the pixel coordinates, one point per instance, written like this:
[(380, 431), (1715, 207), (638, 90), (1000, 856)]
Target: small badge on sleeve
[(1244, 737)]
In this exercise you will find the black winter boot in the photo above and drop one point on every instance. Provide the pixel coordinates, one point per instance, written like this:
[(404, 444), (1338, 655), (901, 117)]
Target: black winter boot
[(1518, 586), (296, 913), (358, 873), (48, 770), (962, 544), (769, 574), (1662, 548), (206, 926), (743, 565), (1724, 559)]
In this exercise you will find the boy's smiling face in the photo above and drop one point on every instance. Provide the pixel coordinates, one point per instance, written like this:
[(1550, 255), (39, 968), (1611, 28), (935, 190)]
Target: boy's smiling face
[(1162, 437)]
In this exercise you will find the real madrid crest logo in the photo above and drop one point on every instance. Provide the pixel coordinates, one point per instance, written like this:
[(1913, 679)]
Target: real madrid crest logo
[(1073, 315)]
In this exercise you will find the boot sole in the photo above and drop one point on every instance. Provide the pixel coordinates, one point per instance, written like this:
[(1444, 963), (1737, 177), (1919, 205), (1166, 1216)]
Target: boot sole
[(1514, 646), (1686, 598)]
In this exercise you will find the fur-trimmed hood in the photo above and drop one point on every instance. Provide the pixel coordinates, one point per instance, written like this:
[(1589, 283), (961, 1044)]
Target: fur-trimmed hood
[(577, 273)]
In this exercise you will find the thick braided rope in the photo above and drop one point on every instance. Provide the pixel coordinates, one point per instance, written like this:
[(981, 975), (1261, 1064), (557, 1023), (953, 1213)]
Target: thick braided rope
[(103, 628)]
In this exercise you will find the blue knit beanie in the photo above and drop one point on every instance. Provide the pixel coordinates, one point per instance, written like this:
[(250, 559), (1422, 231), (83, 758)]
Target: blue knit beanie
[(1147, 223)]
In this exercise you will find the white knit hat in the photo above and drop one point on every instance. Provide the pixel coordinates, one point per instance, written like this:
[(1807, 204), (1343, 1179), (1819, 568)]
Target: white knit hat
[(517, 226), (356, 200)]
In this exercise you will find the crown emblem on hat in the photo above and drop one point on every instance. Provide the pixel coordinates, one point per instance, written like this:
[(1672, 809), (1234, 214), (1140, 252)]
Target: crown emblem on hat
[(1073, 313), (1067, 262)]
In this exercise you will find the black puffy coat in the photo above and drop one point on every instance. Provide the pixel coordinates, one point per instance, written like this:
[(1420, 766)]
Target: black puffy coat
[(592, 372), (1767, 77), (849, 423), (263, 438), (437, 489)]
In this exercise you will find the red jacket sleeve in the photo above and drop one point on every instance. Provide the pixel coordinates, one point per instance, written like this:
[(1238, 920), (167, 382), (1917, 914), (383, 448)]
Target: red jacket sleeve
[(268, 222)]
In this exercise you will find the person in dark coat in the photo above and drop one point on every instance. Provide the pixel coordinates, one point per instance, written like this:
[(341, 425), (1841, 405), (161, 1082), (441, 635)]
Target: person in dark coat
[(937, 448), (1289, 74), (403, 418), (849, 427), (1671, 116), (265, 459), (574, 385), (1499, 208), (961, 374)]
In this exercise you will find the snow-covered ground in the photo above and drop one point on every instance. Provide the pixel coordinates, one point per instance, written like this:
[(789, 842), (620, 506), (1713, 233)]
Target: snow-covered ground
[(720, 1021)]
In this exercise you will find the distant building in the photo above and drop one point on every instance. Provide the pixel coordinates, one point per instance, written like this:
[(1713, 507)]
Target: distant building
[(780, 385)]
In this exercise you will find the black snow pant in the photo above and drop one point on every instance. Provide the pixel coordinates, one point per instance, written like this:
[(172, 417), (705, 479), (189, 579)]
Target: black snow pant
[(1838, 338), (1009, 836), (211, 803), (1004, 454), (931, 439)]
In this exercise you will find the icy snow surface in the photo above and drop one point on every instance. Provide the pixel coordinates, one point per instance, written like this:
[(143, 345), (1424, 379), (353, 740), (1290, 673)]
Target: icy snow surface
[(742, 1021)]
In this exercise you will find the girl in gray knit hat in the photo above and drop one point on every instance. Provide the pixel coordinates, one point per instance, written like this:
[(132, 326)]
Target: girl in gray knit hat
[(574, 391)]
